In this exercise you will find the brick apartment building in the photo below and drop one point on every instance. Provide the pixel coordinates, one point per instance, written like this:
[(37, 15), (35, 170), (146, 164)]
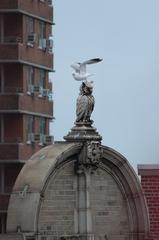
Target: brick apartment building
[(26, 105)]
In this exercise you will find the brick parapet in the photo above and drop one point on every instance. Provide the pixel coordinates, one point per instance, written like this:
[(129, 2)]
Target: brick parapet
[(150, 184)]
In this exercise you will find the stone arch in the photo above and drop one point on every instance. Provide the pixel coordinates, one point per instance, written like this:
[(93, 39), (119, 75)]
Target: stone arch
[(36, 175), (24, 204), (131, 189)]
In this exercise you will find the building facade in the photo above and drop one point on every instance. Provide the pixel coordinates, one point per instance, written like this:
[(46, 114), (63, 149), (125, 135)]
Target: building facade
[(150, 184), (26, 105)]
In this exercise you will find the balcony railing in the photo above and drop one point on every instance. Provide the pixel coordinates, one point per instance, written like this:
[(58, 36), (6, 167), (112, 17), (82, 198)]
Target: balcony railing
[(21, 52), (12, 90), (26, 103), (16, 151), (12, 39), (10, 139)]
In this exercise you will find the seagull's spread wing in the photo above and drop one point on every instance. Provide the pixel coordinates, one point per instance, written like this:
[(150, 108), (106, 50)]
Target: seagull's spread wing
[(76, 67), (90, 61), (82, 68), (93, 60)]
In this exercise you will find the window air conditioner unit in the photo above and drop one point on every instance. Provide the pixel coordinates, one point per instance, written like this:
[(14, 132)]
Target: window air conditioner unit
[(36, 137), (50, 44), (32, 38), (42, 139), (36, 89), (43, 41), (46, 92), (30, 138), (48, 139), (50, 2), (30, 89)]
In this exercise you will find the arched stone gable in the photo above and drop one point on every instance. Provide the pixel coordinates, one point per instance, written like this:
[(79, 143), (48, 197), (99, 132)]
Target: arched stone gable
[(37, 183), (24, 205), (121, 170)]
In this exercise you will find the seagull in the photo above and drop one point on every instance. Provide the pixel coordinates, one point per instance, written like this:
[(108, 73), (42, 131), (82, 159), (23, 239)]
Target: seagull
[(80, 69)]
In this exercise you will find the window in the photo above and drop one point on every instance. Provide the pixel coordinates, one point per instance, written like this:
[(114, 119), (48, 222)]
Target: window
[(8, 175), (1, 129), (42, 130), (1, 79), (31, 36), (30, 80), (42, 35), (42, 126), (1, 178), (30, 25), (42, 81), (11, 172), (50, 2), (30, 129), (3, 218)]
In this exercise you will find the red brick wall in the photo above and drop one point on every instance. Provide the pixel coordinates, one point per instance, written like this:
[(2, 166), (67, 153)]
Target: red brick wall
[(12, 25), (13, 128), (13, 74), (150, 185), (4, 199), (33, 7)]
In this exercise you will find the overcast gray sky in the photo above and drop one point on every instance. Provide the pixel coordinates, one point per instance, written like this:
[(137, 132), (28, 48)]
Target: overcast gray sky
[(125, 33)]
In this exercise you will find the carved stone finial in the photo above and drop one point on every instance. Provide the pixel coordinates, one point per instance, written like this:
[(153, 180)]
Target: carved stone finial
[(85, 101), (83, 130)]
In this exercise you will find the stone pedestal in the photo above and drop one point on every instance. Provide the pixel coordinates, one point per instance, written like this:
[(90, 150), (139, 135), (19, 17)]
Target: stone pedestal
[(83, 132)]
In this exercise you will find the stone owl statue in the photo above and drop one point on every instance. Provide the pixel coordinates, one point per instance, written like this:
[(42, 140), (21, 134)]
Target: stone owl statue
[(85, 103)]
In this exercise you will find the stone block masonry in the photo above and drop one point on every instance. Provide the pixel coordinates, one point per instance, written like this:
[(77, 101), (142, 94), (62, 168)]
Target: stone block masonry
[(57, 210), (109, 209), (11, 237)]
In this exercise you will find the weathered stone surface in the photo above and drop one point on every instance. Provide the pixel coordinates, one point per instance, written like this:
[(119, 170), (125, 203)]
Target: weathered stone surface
[(57, 209), (58, 203), (23, 210), (109, 208), (11, 237)]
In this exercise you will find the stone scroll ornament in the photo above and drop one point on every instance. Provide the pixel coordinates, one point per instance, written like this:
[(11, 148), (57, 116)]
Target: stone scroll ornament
[(94, 152), (90, 157), (85, 100)]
